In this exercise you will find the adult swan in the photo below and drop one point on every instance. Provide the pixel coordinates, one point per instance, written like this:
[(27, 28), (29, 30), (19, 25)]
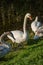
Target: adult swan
[(17, 35), (4, 48), (37, 28)]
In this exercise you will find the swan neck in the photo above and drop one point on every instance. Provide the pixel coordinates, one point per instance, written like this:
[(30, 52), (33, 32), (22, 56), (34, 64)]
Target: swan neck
[(36, 19), (24, 25)]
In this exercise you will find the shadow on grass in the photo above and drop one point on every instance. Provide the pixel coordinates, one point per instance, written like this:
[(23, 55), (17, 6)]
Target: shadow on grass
[(6, 58), (3, 59), (32, 41), (35, 43)]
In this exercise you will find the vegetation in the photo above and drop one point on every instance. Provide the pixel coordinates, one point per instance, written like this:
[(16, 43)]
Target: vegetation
[(31, 54), (12, 13)]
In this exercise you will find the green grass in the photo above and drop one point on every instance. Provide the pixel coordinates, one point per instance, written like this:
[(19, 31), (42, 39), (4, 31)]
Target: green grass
[(30, 54)]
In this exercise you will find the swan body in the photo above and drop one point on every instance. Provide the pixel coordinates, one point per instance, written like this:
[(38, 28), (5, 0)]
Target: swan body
[(19, 36), (39, 33), (4, 48), (35, 25)]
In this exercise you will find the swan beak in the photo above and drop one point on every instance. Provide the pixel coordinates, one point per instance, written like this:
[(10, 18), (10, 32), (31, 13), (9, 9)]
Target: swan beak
[(36, 37), (30, 17)]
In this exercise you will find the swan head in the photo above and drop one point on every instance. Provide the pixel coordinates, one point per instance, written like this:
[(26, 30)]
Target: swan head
[(28, 15)]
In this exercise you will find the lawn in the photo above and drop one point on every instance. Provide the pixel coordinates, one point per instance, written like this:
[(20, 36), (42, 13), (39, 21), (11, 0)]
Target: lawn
[(30, 54)]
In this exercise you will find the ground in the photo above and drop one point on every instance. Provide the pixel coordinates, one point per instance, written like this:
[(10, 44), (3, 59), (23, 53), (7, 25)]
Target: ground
[(30, 54)]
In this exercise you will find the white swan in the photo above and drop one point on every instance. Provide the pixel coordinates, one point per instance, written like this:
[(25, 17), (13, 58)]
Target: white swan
[(35, 25), (4, 48), (19, 36)]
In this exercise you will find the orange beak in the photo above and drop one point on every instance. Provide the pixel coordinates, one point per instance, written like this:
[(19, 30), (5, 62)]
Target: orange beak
[(30, 17)]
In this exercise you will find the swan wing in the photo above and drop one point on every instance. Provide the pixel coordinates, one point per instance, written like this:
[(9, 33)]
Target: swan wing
[(38, 24), (16, 35), (40, 29)]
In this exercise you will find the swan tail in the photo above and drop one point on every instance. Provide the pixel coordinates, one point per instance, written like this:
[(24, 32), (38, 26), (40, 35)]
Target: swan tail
[(2, 36), (11, 38)]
